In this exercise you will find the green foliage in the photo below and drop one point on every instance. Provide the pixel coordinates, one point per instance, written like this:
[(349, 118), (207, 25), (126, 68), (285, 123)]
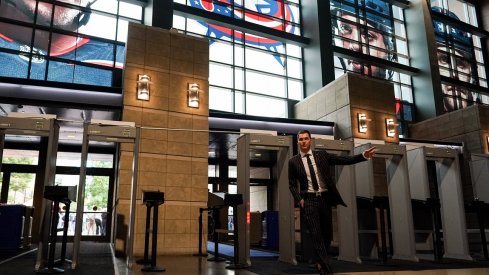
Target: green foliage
[(97, 192), (19, 182)]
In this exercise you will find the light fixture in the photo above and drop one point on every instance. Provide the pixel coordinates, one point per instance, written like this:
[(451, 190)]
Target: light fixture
[(390, 127), (488, 143), (362, 122), (193, 95), (144, 82)]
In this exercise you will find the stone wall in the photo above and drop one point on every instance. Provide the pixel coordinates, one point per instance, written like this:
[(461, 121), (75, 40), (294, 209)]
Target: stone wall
[(174, 137), (341, 101)]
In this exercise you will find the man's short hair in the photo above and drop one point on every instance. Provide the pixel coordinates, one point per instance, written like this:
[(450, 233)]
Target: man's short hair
[(304, 132)]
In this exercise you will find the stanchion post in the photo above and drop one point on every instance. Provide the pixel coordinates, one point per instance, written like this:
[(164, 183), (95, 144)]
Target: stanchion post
[(146, 259), (201, 210)]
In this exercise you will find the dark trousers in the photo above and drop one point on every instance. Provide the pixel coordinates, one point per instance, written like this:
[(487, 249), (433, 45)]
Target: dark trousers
[(317, 214)]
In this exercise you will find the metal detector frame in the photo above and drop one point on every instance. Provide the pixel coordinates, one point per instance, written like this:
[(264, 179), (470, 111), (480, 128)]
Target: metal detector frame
[(346, 216), (283, 146), (42, 127), (107, 131), (398, 191), (451, 195)]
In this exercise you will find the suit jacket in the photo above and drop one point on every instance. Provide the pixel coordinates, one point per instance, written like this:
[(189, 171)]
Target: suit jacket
[(298, 176)]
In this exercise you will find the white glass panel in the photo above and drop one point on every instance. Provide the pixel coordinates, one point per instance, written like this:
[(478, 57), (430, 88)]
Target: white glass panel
[(265, 84), (338, 72), (130, 10), (238, 55), (478, 56), (100, 26), (295, 89), (481, 71), (262, 61), (457, 7), (401, 46), (179, 22), (239, 78), (122, 29), (221, 52), (405, 79), (220, 99), (294, 67), (403, 60), (397, 12), (483, 83), (239, 102), (407, 93), (294, 50), (399, 29), (395, 77), (472, 15), (212, 171), (109, 6), (220, 75), (233, 171), (196, 27), (180, 1), (265, 106)]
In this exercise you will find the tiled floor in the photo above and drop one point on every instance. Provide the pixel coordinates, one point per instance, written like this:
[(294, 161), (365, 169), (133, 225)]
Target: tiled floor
[(190, 265)]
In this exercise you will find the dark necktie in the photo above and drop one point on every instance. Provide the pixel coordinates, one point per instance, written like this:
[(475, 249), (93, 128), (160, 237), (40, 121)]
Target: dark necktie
[(314, 180)]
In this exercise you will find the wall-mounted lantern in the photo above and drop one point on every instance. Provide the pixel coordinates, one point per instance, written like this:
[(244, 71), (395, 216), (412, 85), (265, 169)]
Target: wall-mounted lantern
[(144, 82), (193, 95), (362, 122), (390, 127)]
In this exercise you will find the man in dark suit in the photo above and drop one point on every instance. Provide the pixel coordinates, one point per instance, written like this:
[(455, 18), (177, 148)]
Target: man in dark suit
[(312, 186)]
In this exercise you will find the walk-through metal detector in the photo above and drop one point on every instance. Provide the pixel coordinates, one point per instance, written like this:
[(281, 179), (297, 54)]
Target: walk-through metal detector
[(449, 186), (107, 131), (282, 145), (403, 242), (43, 126), (479, 169), (345, 183)]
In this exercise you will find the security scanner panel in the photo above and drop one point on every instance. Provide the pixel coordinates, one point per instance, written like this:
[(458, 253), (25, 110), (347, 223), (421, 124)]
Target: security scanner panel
[(435, 180), (345, 183), (479, 169), (107, 131), (383, 181), (25, 124), (284, 203)]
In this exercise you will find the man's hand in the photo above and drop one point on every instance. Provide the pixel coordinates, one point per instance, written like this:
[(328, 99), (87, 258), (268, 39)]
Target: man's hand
[(301, 203), (369, 153)]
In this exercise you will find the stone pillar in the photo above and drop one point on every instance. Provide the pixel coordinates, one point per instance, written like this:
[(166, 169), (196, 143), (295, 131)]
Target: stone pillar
[(174, 137), (342, 100)]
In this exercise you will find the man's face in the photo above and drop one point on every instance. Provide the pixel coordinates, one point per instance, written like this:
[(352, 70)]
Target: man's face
[(353, 33), (304, 141), (455, 97)]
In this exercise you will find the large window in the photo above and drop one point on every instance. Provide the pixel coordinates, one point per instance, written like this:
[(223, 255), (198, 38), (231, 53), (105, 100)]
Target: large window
[(282, 15), (459, 54), (73, 41), (249, 74), (374, 30)]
